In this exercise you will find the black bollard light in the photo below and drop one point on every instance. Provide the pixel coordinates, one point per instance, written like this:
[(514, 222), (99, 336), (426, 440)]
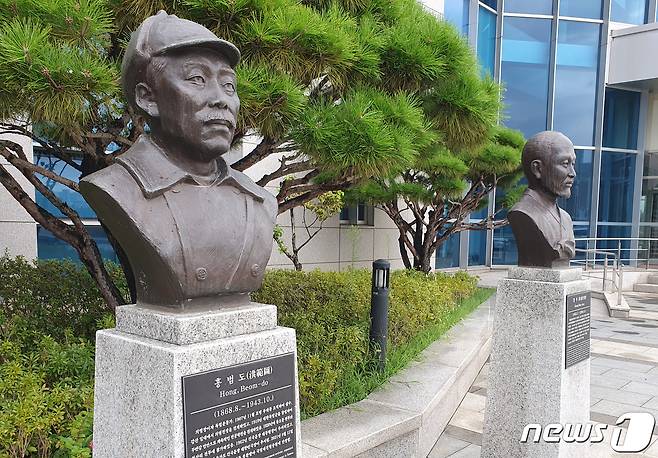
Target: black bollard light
[(379, 309)]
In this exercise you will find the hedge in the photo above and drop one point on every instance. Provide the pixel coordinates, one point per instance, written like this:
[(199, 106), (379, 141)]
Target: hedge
[(52, 309)]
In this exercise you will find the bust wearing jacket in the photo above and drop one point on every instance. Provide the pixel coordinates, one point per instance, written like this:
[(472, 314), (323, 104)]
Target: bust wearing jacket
[(196, 232)]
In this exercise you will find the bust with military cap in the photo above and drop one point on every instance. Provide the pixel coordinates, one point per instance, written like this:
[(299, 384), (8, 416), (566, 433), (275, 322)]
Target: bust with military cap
[(196, 232), (543, 231)]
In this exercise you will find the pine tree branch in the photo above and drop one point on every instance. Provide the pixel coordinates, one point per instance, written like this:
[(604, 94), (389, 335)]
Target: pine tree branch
[(28, 168), (262, 150), (285, 169)]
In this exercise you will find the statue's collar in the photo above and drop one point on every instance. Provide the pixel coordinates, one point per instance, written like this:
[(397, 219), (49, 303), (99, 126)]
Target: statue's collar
[(542, 198), (155, 173)]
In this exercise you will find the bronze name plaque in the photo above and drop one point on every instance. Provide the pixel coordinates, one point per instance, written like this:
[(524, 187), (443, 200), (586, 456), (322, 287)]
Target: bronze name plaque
[(246, 410), (577, 328)]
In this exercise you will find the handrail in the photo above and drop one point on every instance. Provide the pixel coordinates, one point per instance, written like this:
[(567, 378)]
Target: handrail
[(618, 261)]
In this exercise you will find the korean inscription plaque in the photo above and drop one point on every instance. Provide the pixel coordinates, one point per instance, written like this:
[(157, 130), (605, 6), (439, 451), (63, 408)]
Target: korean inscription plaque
[(246, 410), (577, 328)]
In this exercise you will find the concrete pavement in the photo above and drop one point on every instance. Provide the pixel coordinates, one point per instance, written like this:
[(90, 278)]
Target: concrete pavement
[(624, 377)]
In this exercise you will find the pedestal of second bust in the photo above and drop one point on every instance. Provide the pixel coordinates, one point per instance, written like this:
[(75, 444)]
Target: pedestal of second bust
[(540, 368), (202, 384)]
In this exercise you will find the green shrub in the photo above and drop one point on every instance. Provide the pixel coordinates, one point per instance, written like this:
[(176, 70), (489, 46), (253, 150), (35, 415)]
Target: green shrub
[(52, 310), (43, 390), (52, 296), (331, 313)]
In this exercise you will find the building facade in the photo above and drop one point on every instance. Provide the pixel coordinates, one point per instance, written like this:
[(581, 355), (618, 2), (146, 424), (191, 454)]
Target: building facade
[(586, 68)]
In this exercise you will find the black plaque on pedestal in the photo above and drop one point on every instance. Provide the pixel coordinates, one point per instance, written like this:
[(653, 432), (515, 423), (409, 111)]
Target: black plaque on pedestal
[(245, 411), (577, 328)]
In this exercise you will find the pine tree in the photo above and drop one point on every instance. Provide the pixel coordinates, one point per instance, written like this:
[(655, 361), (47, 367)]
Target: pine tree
[(339, 91)]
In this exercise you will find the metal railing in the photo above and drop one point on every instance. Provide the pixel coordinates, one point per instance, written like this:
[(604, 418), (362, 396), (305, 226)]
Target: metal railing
[(592, 251)]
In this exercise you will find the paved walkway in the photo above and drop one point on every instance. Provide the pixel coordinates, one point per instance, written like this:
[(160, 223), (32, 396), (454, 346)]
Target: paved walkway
[(624, 378)]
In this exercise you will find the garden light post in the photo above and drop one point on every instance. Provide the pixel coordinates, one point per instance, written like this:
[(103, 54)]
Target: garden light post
[(379, 309)]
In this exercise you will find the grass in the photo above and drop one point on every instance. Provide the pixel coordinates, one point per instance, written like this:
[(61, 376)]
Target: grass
[(358, 384)]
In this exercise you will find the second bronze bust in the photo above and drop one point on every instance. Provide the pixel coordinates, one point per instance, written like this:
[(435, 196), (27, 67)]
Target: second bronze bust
[(543, 231)]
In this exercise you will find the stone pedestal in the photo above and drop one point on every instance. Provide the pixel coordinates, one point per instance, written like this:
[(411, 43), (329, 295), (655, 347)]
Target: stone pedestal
[(528, 381), (139, 405)]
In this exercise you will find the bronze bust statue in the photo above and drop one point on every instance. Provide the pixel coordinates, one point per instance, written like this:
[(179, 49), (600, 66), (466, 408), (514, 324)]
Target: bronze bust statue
[(195, 231), (543, 231)]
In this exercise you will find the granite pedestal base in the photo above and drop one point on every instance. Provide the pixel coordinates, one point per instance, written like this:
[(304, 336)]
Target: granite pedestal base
[(528, 382), (138, 400)]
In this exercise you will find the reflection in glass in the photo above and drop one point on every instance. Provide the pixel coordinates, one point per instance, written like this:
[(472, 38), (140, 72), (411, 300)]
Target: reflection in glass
[(504, 247), (628, 11), (456, 12), (575, 80), (591, 9), (447, 255), (528, 6), (71, 198), (486, 48), (649, 198), (477, 248), (580, 203), (616, 191), (615, 232), (650, 246), (524, 71), (621, 118), (50, 247), (493, 4)]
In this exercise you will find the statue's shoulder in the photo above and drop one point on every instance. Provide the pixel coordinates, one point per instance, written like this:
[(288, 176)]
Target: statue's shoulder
[(111, 179), (525, 205), (269, 200)]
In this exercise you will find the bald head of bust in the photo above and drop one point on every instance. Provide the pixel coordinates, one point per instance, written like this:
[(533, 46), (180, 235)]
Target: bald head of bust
[(549, 163)]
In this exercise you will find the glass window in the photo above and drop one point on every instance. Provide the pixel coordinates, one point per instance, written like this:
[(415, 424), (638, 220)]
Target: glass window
[(649, 198), (580, 231), (615, 232), (616, 191), (493, 4), (575, 80), (504, 247), (621, 118), (651, 247), (447, 255), (50, 247), (456, 12), (70, 197), (486, 47), (580, 203), (525, 73), (629, 11), (477, 248), (529, 6), (591, 9)]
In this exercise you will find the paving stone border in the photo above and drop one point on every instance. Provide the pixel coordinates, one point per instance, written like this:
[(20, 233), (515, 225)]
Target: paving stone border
[(406, 416)]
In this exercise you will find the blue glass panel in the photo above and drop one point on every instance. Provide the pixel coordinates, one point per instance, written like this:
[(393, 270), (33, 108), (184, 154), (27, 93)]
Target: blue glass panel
[(486, 49), (621, 118), (525, 65), (477, 248), (70, 197), (447, 255), (481, 213), (456, 12), (493, 4), (529, 6), (580, 203), (504, 247), (591, 9), (603, 231), (580, 231), (629, 11), (50, 247), (616, 191), (575, 80)]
